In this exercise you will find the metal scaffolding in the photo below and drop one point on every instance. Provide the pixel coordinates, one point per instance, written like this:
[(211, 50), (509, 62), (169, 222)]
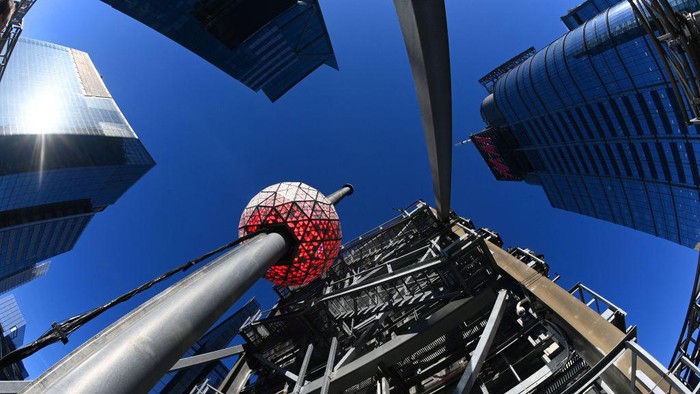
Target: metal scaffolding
[(686, 357), (11, 33), (413, 305), (675, 36)]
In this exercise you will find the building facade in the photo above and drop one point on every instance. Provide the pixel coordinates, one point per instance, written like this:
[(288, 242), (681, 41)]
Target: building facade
[(593, 118), (585, 11), (269, 46), (12, 329), (67, 153), (24, 276)]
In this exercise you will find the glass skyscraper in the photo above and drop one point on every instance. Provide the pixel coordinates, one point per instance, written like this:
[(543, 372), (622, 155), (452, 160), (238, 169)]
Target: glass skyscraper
[(270, 45), (12, 329), (24, 276), (67, 153), (593, 119)]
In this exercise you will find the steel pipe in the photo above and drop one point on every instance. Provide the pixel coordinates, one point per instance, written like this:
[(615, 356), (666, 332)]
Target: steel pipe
[(344, 191), (132, 354)]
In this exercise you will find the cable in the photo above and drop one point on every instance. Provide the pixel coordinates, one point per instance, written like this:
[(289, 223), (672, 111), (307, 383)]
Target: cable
[(61, 331)]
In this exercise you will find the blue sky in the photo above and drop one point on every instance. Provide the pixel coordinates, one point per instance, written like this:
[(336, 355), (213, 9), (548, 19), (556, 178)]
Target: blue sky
[(217, 144)]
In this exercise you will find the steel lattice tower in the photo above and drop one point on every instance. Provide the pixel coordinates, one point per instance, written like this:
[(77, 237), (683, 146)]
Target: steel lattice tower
[(419, 305)]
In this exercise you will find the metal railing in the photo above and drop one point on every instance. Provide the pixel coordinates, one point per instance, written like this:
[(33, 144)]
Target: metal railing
[(600, 304)]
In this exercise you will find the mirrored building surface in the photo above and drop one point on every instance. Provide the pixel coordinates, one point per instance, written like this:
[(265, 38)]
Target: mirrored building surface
[(25, 276), (593, 118), (268, 45), (67, 153), (12, 329)]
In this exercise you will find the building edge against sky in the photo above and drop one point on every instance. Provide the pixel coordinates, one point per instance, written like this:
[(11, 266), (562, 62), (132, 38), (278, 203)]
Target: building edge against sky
[(23, 277), (592, 119), (269, 48), (68, 153)]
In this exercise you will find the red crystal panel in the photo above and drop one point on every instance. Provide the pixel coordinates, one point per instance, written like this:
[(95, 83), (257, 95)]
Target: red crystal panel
[(309, 217)]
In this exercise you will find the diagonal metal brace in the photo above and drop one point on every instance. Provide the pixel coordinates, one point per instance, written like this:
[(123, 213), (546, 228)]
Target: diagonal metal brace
[(471, 372)]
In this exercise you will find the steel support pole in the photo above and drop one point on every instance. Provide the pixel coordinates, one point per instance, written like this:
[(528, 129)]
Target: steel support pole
[(424, 27), (344, 191), (132, 354), (325, 386), (302, 371), (471, 372)]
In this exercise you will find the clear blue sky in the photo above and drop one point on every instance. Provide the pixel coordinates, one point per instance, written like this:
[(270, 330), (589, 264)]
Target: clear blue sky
[(217, 144)]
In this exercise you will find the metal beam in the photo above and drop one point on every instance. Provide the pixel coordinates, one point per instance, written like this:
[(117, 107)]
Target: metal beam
[(403, 345), (132, 354), (649, 360), (325, 386), (207, 357), (360, 342), (302, 371), (471, 372), (237, 378), (344, 191), (424, 27), (592, 336), (585, 381), (269, 364), (13, 387)]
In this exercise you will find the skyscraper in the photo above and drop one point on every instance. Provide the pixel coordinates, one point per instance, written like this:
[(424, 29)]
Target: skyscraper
[(595, 119), (269, 45), (24, 276), (67, 153), (12, 328)]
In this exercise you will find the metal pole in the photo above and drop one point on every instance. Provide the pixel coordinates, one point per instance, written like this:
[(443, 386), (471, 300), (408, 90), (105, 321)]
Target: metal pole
[(471, 372), (344, 191), (424, 28), (302, 371), (329, 366), (237, 378), (132, 354)]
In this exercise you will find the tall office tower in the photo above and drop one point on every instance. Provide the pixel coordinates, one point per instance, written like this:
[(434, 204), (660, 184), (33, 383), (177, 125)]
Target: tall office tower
[(12, 328), (585, 11), (422, 305), (183, 381), (270, 45), (24, 276), (67, 153), (602, 122)]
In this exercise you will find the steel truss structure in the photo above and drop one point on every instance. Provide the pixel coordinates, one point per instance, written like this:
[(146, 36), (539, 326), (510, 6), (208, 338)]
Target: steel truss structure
[(419, 305), (686, 357), (11, 33), (676, 38)]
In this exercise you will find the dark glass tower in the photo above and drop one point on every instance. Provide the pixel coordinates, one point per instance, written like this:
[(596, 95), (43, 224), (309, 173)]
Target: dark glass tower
[(67, 153), (593, 119), (12, 328), (269, 45), (586, 11), (25, 276)]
